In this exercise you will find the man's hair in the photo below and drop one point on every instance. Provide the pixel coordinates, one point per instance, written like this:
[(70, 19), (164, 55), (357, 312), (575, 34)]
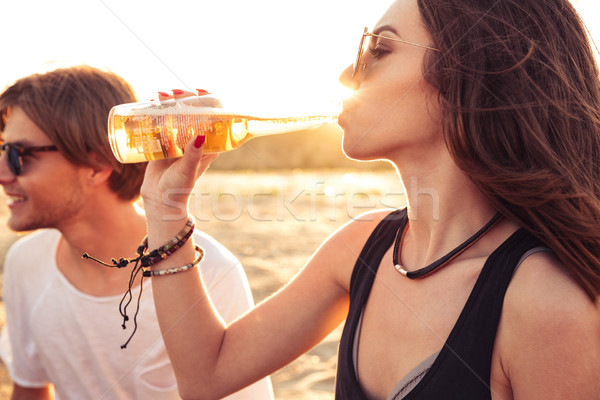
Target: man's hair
[(71, 106)]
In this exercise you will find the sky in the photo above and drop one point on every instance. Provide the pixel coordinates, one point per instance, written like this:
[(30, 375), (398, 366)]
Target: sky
[(276, 53)]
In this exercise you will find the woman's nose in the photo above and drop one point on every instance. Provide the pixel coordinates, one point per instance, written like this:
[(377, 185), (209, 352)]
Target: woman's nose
[(347, 80)]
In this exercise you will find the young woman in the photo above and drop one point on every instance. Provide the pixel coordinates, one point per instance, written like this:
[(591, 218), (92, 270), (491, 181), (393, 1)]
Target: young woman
[(486, 285)]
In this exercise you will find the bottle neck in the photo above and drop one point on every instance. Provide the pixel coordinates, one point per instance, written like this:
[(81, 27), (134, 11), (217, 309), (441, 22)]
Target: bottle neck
[(278, 125)]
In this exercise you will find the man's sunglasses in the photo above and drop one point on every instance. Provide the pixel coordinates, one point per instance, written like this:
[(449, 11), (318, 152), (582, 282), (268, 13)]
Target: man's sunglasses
[(13, 154)]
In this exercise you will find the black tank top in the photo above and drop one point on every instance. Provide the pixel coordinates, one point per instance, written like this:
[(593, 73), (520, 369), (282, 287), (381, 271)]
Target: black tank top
[(462, 369)]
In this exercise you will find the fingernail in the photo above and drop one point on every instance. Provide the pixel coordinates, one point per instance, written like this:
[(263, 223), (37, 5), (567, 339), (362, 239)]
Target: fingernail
[(177, 91), (163, 94), (199, 141), (202, 92)]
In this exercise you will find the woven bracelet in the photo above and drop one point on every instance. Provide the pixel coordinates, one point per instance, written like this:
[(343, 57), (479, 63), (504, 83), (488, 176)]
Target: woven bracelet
[(146, 258), (148, 272), (168, 248)]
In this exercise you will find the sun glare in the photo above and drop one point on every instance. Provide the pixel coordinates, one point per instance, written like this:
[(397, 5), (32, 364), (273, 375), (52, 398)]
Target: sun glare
[(264, 53)]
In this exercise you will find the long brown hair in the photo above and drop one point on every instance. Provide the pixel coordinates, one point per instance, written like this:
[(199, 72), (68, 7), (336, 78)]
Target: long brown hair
[(520, 98), (71, 106)]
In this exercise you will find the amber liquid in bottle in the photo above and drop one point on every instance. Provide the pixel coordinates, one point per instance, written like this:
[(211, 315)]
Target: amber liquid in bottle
[(141, 132)]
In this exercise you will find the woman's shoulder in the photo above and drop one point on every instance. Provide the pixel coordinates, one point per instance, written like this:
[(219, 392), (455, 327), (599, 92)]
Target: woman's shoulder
[(544, 287), (358, 229), (548, 320), (344, 245)]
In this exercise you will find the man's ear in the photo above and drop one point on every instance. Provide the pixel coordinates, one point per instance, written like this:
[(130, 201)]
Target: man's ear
[(98, 172), (98, 175)]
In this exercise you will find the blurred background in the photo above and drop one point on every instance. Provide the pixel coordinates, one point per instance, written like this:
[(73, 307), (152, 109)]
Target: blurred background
[(275, 199)]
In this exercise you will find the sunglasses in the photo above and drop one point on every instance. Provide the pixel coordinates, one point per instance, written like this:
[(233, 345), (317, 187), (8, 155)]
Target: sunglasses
[(14, 153), (362, 49)]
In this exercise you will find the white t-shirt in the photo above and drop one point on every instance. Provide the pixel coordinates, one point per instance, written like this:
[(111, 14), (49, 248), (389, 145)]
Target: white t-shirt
[(57, 335)]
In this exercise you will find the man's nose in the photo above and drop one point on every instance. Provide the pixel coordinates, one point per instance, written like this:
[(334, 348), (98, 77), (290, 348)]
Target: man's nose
[(6, 174)]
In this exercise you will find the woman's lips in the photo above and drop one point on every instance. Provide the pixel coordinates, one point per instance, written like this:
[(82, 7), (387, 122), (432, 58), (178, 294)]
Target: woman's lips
[(342, 119)]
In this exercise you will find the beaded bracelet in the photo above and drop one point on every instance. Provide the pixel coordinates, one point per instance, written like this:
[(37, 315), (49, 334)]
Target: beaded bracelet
[(150, 258), (148, 272), (168, 248), (147, 259)]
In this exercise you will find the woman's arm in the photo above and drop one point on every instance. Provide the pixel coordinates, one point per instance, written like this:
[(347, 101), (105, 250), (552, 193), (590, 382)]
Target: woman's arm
[(210, 359)]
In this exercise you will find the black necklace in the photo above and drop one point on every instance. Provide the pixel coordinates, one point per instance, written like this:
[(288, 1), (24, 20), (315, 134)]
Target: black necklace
[(445, 260)]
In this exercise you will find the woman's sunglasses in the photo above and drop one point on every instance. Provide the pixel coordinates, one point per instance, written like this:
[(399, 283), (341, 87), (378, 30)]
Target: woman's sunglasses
[(358, 64)]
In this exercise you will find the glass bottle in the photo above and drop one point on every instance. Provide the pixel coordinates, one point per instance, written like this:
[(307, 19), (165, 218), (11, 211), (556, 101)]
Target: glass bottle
[(155, 130)]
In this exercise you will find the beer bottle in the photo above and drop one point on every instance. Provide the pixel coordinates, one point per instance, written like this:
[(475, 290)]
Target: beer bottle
[(155, 130)]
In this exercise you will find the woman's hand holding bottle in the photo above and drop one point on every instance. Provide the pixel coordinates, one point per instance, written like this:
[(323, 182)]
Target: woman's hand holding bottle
[(169, 182)]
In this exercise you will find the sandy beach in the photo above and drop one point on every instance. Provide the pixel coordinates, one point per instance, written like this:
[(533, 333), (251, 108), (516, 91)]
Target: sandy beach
[(273, 222)]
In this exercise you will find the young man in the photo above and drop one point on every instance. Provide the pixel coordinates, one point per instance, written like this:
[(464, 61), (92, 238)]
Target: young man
[(63, 332)]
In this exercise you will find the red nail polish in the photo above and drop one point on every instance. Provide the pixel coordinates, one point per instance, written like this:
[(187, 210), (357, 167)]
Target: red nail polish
[(177, 91), (199, 141), (163, 94), (202, 92)]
